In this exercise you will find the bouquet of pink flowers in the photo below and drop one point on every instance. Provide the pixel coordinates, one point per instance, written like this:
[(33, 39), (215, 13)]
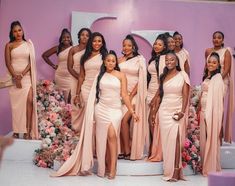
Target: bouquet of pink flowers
[(54, 121), (191, 151)]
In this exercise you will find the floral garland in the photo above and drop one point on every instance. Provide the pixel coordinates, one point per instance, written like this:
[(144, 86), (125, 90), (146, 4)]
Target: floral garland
[(54, 121), (191, 151)]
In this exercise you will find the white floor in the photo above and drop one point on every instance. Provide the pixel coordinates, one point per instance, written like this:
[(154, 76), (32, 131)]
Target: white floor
[(17, 169), (20, 173)]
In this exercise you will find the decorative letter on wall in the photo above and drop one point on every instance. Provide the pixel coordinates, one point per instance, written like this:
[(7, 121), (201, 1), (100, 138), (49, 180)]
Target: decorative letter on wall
[(85, 19)]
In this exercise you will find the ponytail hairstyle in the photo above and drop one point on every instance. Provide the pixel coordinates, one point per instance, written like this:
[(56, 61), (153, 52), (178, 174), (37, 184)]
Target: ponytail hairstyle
[(102, 71), (89, 48), (156, 57), (61, 45), (221, 33), (11, 36), (165, 72), (177, 33), (218, 70), (82, 30), (135, 47)]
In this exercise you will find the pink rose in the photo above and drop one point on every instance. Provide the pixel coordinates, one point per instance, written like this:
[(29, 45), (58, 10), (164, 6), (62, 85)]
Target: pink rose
[(193, 149), (53, 116), (42, 163), (184, 154), (187, 143), (188, 158), (184, 164)]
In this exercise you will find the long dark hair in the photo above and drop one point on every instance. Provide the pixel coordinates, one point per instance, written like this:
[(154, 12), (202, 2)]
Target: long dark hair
[(221, 33), (165, 72), (177, 33), (80, 32), (11, 36), (134, 44), (102, 71), (156, 57), (218, 70), (61, 45), (89, 48)]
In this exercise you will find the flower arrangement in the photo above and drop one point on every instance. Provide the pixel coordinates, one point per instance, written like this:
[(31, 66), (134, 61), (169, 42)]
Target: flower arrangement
[(54, 121), (191, 151)]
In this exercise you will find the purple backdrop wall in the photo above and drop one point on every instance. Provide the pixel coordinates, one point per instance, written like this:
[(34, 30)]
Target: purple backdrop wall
[(43, 20)]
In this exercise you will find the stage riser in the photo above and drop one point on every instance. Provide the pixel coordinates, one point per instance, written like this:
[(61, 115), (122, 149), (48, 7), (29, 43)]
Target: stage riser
[(23, 150)]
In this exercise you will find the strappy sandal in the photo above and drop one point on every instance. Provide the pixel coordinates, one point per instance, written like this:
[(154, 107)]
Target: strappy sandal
[(127, 156), (15, 135), (27, 136), (121, 156)]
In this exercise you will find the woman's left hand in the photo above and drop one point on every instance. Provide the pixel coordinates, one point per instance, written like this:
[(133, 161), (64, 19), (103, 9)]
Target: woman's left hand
[(180, 116), (135, 117)]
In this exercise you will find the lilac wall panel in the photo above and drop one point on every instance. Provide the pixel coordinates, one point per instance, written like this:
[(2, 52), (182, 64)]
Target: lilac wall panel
[(43, 20)]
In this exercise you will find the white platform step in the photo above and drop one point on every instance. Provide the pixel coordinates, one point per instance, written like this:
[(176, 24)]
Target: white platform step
[(228, 156), (23, 150), (136, 168)]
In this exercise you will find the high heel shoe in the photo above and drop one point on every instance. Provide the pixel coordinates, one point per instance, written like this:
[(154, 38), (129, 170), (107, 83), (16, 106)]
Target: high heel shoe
[(15, 135), (127, 156)]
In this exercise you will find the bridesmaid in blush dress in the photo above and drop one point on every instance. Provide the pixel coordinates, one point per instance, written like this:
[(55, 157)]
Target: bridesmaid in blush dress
[(172, 103), (155, 68), (62, 76), (20, 62), (105, 106), (211, 114), (74, 58), (133, 65), (90, 65), (182, 53), (227, 71), (170, 42)]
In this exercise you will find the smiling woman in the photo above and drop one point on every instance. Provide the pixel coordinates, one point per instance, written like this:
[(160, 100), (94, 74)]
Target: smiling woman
[(211, 114), (20, 62), (172, 104), (62, 76)]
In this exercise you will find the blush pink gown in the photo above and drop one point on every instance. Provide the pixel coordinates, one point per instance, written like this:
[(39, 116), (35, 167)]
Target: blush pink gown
[(156, 147), (183, 55), (211, 115), (228, 94), (63, 78), (76, 113), (169, 128), (136, 73), (92, 68), (107, 112), (20, 58)]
